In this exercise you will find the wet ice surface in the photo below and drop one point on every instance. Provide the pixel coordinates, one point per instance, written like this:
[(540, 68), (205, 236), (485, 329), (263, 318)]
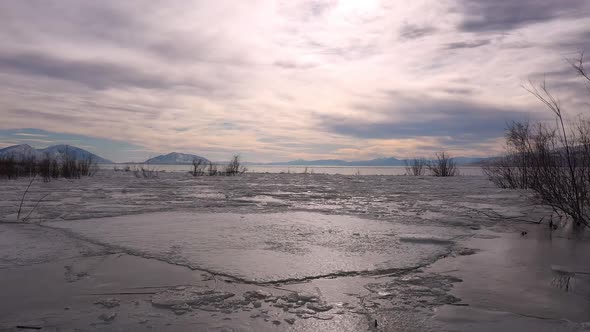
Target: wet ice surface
[(22, 245), (517, 285), (273, 246), (349, 248)]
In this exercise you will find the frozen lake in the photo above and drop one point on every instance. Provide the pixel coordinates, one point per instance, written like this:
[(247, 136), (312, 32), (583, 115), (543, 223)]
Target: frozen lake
[(455, 201), (271, 251)]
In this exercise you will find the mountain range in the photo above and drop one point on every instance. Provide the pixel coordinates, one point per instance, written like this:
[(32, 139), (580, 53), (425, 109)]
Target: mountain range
[(24, 151), (373, 162), (176, 158)]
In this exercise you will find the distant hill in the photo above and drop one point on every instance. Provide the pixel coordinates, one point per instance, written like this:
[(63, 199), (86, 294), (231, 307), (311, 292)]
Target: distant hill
[(373, 162), (23, 151), (175, 158)]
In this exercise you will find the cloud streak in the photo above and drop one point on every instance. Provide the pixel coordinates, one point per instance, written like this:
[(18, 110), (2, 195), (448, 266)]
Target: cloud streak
[(483, 15), (408, 116)]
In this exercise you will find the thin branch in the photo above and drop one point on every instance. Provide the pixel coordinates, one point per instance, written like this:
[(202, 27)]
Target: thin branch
[(23, 198), (34, 207)]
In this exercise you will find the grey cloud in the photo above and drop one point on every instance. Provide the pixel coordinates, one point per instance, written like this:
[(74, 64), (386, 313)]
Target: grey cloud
[(427, 117), (410, 31), (80, 20), (501, 15), (289, 64), (354, 48), (288, 142), (37, 115), (308, 9), (94, 74), (467, 44), (575, 42), (459, 91), (112, 23)]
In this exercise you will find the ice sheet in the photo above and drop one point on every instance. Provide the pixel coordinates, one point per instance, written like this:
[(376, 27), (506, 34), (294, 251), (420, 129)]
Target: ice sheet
[(272, 246)]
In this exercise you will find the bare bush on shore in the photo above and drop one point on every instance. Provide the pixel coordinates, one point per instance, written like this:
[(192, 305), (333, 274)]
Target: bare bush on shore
[(212, 169), (145, 172), (443, 165), (235, 167), (416, 166), (65, 165), (550, 159), (198, 167)]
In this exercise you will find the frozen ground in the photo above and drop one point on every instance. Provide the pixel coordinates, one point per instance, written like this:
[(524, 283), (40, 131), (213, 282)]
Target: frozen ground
[(284, 252)]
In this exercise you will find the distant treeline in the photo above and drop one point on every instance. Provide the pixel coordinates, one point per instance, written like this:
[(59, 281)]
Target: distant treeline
[(65, 166)]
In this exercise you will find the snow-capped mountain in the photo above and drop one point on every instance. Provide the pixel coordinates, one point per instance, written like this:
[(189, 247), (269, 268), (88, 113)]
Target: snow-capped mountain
[(24, 151), (175, 158), (19, 151)]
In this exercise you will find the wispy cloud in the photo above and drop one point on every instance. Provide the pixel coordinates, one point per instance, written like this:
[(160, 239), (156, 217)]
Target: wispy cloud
[(30, 135), (410, 31)]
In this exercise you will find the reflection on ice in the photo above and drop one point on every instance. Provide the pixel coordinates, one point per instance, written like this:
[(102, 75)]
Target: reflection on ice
[(270, 247), (517, 274)]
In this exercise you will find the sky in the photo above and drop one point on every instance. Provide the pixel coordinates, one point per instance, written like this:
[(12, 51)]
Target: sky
[(283, 80)]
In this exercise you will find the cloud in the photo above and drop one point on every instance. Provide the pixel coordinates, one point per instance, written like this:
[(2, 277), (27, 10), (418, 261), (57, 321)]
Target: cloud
[(410, 31), (504, 15), (290, 64), (459, 91), (467, 44), (30, 135), (93, 74), (407, 116), (271, 79)]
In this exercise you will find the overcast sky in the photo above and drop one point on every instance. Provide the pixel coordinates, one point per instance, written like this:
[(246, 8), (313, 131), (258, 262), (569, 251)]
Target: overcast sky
[(282, 80)]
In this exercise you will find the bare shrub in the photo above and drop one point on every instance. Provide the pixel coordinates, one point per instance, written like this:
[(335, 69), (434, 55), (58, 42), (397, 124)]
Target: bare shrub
[(48, 167), (416, 166), (145, 172), (552, 160), (443, 165), (8, 167), (87, 167), (29, 166), (68, 165), (504, 172), (73, 168), (198, 167), (235, 167), (54, 169), (13, 168), (212, 169), (149, 173), (44, 169)]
